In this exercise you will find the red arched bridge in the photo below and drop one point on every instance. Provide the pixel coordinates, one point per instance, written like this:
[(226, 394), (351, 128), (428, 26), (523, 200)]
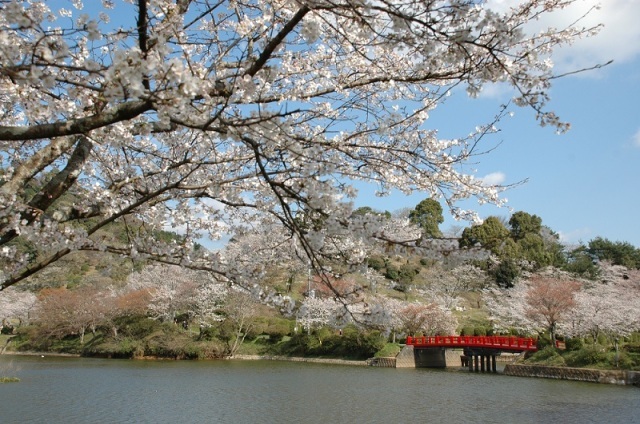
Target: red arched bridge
[(479, 351), (502, 343)]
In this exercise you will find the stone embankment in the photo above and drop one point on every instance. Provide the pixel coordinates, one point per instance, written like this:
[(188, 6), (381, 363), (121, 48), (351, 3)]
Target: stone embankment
[(621, 377)]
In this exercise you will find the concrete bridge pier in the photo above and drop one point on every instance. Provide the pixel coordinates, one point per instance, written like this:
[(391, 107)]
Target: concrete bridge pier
[(479, 360), (421, 358)]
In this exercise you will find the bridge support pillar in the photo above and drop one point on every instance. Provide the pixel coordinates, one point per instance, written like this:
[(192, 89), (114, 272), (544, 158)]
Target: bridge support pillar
[(480, 360)]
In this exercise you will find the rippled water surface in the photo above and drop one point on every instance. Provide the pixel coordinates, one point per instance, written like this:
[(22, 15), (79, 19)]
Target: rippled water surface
[(78, 390)]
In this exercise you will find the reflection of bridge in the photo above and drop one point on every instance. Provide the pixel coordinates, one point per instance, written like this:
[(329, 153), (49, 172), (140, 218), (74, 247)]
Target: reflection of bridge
[(478, 350)]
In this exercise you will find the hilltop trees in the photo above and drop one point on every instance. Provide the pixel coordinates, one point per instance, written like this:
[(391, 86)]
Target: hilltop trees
[(428, 216), (205, 118), (524, 241), (491, 235), (618, 253)]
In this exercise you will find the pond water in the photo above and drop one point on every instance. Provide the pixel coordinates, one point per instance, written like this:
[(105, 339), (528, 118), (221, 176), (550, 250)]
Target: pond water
[(81, 390)]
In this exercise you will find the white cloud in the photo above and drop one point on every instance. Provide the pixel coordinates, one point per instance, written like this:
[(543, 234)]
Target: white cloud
[(495, 178), (575, 237), (619, 39), (636, 139), (495, 91)]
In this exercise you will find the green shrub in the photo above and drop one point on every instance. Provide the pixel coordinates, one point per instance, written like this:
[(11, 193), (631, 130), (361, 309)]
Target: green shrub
[(208, 333), (479, 331), (548, 356), (352, 343), (573, 343), (297, 345), (392, 273), (467, 331), (201, 350), (587, 356), (376, 262), (124, 348), (407, 272), (137, 326), (274, 327), (621, 360), (428, 262), (631, 348), (506, 273), (544, 341)]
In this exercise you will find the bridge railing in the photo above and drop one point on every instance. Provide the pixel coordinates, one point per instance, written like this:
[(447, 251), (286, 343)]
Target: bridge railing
[(496, 342)]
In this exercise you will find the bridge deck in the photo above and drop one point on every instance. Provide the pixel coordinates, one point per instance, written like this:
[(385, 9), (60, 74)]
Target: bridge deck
[(505, 343)]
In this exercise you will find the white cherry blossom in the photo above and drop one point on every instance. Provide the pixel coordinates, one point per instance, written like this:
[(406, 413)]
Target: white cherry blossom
[(210, 117)]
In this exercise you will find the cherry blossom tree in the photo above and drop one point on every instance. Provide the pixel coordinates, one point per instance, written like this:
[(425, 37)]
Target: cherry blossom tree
[(239, 312), (507, 308), (122, 302), (384, 313), (61, 312), (446, 285), (428, 319), (395, 316), (205, 117), (608, 306), (549, 302), (16, 306), (342, 287), (172, 289), (315, 312), (539, 303)]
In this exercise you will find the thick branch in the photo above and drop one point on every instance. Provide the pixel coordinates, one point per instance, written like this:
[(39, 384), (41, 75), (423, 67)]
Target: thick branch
[(34, 268), (64, 179), (273, 44), (120, 113), (55, 188), (36, 163)]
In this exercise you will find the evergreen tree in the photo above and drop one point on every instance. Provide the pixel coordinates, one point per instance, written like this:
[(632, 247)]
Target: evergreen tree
[(428, 216)]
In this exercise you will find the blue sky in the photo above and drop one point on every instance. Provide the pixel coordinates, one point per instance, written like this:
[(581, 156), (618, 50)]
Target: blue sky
[(584, 183)]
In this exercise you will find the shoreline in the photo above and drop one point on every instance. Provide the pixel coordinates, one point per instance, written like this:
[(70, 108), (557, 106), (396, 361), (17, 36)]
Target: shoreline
[(332, 361), (31, 353), (612, 377)]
